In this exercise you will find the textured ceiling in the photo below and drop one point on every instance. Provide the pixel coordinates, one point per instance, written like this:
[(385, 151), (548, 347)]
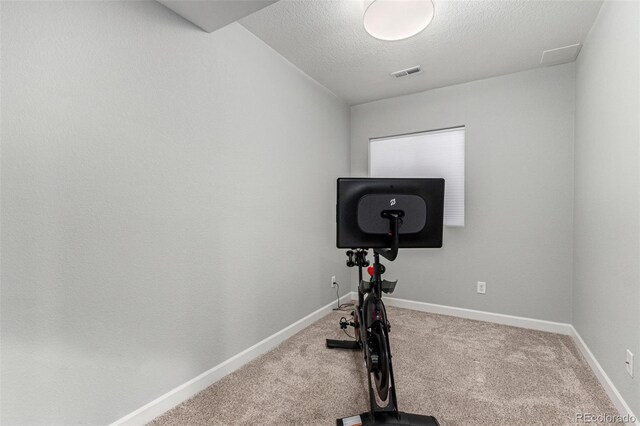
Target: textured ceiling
[(466, 41)]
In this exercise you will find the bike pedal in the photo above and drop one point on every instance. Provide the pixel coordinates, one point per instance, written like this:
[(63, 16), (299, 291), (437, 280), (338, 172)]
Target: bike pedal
[(389, 286), (344, 324)]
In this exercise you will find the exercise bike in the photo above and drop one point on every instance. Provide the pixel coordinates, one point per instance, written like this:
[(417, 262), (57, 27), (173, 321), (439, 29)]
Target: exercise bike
[(384, 214)]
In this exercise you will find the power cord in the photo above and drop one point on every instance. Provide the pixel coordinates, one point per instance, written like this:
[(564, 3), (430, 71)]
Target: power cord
[(344, 306)]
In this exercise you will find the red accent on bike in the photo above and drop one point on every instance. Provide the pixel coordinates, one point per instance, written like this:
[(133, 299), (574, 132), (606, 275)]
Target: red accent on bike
[(370, 270)]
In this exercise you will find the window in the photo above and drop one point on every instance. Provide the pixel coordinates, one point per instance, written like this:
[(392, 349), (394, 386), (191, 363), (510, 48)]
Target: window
[(439, 153)]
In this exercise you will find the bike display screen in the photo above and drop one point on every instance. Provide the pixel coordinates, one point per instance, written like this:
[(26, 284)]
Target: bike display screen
[(364, 205)]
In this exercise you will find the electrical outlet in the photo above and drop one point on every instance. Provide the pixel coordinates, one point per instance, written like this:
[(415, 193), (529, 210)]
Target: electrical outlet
[(629, 363), (482, 287), (333, 281)]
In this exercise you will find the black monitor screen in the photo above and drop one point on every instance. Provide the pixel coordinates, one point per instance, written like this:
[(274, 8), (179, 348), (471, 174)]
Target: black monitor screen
[(363, 204)]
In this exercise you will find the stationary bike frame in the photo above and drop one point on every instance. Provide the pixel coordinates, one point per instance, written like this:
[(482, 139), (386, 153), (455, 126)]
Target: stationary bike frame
[(371, 310), (370, 318)]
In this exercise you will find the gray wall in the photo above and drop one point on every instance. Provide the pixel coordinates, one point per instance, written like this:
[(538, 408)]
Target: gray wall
[(519, 192), (606, 286), (167, 201)]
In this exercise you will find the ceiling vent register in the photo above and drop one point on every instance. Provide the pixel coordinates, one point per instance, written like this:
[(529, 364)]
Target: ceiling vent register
[(407, 72)]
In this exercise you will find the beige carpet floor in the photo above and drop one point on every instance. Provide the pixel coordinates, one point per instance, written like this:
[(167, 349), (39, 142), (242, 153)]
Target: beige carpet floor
[(461, 371)]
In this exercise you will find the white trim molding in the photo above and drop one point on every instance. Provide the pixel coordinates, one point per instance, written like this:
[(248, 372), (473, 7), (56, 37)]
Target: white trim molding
[(615, 397), (515, 321), (185, 391), (533, 324)]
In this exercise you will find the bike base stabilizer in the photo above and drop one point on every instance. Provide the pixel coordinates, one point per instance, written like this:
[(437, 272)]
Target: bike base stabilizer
[(388, 418)]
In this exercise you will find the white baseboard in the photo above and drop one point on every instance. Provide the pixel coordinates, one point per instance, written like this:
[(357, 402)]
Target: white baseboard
[(522, 322), (530, 323), (185, 391), (621, 405)]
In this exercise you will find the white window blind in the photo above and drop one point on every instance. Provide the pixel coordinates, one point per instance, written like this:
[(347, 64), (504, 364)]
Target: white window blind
[(430, 154)]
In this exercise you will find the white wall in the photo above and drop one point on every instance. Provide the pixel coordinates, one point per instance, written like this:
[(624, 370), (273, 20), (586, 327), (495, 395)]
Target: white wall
[(167, 201), (519, 192), (606, 285)]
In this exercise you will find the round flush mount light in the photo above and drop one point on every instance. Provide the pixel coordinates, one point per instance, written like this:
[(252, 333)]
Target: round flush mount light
[(393, 20)]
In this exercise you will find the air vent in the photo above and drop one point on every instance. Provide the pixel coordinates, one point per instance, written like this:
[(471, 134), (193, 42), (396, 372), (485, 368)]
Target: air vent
[(408, 71), (560, 55)]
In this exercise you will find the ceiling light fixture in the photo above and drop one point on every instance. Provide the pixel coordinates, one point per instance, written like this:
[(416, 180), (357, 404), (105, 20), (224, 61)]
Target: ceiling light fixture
[(393, 20)]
